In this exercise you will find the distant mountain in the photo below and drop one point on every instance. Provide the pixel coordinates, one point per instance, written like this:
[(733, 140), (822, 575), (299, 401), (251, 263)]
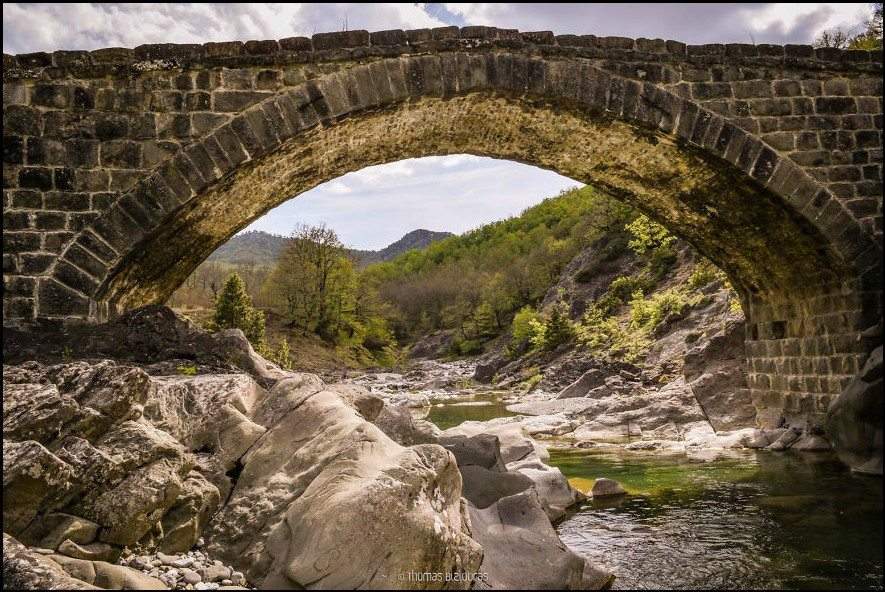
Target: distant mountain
[(262, 248), (253, 247), (417, 239)]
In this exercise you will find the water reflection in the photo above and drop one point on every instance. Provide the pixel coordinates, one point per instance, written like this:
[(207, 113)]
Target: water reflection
[(747, 520)]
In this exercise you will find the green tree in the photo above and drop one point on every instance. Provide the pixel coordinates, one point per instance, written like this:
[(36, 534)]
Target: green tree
[(234, 310), (559, 328), (313, 284)]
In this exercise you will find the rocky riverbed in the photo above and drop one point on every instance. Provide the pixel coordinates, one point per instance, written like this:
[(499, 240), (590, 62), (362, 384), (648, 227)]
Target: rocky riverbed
[(187, 461), (158, 456)]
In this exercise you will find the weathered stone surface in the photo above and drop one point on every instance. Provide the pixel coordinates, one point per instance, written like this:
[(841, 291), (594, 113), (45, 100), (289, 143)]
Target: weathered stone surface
[(90, 552), (583, 385), (521, 549), (289, 499), (475, 442), (400, 424), (186, 519), (482, 450), (26, 570), (603, 487), (208, 413), (854, 419), (367, 404), (33, 478), (716, 374), (54, 528)]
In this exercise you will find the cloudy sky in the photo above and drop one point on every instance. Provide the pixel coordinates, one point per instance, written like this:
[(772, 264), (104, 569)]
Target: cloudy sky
[(453, 193)]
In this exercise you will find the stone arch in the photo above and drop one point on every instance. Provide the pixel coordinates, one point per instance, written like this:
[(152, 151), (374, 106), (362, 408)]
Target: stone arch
[(792, 249)]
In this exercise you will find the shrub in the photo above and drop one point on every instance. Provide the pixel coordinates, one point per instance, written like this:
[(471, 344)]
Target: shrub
[(187, 369), (648, 235), (705, 273), (647, 313), (606, 335), (521, 328)]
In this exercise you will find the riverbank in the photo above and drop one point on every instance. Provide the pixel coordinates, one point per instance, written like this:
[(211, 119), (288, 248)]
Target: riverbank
[(707, 512)]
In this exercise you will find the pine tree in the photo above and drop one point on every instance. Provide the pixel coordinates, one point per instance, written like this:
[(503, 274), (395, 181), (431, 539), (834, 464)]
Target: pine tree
[(234, 310), (559, 328)]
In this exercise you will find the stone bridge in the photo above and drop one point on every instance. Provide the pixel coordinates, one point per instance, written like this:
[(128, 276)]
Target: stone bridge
[(124, 168)]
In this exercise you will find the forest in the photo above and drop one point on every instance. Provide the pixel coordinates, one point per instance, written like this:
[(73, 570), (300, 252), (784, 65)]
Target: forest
[(493, 281)]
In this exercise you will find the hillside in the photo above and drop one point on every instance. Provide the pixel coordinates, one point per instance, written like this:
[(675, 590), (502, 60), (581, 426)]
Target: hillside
[(253, 247), (416, 239), (257, 247)]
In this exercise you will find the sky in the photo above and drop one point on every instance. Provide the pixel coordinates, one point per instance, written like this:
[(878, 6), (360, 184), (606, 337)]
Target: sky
[(452, 193)]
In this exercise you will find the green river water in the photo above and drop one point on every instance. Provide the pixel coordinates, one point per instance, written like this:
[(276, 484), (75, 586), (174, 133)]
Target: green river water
[(740, 520)]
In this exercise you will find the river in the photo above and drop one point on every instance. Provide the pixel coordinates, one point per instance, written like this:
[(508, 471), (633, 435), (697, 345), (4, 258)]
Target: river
[(741, 519)]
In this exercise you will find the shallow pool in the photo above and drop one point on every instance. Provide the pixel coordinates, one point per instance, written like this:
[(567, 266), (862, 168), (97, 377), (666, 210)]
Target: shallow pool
[(476, 408), (746, 520)]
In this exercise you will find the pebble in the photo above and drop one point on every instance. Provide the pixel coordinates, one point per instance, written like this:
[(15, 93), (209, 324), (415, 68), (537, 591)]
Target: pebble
[(192, 570), (183, 562), (191, 577)]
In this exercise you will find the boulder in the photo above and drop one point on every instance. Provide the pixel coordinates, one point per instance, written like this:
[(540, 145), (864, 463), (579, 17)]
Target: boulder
[(811, 443), (208, 412), (90, 552), (367, 404), (80, 398), (554, 490), (119, 577), (54, 528), (515, 445), (596, 578), (24, 569), (400, 424), (521, 550), (482, 487), (589, 380), (33, 479), (520, 453), (854, 419), (323, 478), (486, 369), (603, 487), (185, 520), (483, 450), (153, 466), (785, 440)]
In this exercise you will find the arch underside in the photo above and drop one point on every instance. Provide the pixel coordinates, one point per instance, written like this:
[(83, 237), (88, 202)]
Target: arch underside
[(768, 250), (805, 302)]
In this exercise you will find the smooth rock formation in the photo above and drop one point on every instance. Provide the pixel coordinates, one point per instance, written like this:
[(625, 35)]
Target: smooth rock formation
[(318, 478), (26, 570), (521, 549), (588, 381)]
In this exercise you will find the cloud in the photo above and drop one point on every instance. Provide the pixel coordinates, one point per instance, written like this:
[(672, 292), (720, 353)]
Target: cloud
[(335, 188), (691, 23), (47, 27), (453, 193)]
